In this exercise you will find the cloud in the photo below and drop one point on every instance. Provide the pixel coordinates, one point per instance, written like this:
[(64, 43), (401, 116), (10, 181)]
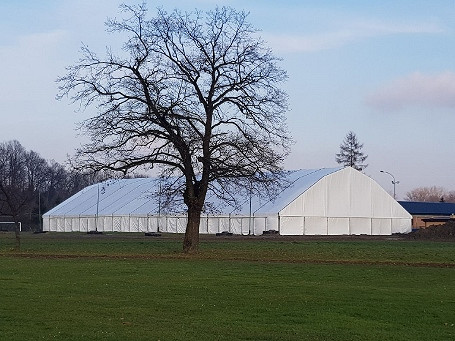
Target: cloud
[(416, 89), (346, 34)]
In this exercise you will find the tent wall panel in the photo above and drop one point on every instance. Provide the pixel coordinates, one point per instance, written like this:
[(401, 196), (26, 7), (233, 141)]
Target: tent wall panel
[(117, 224), (161, 224), (152, 224), (203, 225), (260, 225), (236, 225), (224, 224), (56, 224), (125, 224), (381, 205), (273, 222), (75, 224), (83, 224), (316, 226), (381, 226), (171, 225), (360, 195), (46, 223), (239, 224), (91, 223), (143, 224), (295, 208), (181, 224), (338, 197), (401, 225), (60, 224), (360, 225), (247, 225), (338, 226), (99, 224), (67, 225), (315, 200), (52, 224), (291, 225), (396, 209), (108, 223), (134, 224), (212, 226)]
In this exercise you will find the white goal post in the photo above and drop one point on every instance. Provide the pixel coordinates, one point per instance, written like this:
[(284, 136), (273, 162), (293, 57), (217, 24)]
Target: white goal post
[(11, 223)]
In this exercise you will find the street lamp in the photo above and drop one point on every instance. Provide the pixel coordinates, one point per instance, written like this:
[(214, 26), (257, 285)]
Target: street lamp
[(394, 182)]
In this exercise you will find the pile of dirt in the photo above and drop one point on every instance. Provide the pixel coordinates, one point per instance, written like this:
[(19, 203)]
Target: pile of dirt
[(445, 231)]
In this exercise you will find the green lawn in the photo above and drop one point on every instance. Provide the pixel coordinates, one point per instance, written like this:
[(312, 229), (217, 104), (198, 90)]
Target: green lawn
[(79, 287)]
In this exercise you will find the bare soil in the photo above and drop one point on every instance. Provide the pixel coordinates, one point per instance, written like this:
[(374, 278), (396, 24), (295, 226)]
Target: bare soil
[(445, 232)]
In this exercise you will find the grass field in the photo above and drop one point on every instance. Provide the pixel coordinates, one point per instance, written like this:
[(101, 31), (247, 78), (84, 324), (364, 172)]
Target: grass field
[(131, 287)]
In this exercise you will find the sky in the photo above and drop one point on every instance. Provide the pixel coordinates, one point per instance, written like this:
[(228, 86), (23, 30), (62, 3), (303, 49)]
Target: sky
[(382, 69)]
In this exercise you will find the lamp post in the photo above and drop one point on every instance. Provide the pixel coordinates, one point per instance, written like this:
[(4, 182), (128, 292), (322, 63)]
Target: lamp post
[(394, 182)]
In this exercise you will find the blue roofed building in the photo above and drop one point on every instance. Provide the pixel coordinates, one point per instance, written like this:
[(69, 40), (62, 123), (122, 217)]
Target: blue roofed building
[(425, 214)]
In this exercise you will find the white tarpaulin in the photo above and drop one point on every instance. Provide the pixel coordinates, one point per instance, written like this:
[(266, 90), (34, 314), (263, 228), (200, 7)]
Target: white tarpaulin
[(345, 202), (326, 201)]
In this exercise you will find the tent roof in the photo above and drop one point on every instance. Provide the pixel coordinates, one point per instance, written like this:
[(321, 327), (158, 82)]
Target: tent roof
[(125, 196), (139, 196), (300, 182)]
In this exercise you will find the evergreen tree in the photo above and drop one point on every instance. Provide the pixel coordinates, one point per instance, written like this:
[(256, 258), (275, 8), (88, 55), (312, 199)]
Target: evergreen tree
[(351, 153)]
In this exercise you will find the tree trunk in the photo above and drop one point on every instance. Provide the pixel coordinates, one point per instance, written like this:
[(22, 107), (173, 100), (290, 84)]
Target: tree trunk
[(191, 241)]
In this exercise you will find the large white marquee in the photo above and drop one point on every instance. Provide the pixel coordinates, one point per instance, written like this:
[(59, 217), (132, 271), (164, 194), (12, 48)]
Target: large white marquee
[(326, 201)]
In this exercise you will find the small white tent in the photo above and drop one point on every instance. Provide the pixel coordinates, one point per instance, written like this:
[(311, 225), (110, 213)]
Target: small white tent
[(327, 201)]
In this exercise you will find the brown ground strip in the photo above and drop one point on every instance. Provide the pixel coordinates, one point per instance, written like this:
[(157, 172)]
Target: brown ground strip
[(202, 256)]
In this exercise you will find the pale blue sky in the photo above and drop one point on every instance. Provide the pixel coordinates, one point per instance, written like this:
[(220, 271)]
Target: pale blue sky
[(383, 69)]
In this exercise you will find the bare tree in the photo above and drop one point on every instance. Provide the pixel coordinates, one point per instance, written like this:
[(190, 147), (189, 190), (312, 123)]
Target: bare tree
[(351, 153), (430, 194), (449, 196), (16, 195), (29, 185), (196, 94)]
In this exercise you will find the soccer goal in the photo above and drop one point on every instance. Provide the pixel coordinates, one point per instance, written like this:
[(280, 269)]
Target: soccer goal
[(8, 226)]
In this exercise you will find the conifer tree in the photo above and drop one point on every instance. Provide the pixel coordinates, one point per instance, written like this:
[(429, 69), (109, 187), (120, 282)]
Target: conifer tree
[(351, 153)]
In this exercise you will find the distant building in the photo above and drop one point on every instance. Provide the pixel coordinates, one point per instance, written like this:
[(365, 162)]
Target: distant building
[(425, 214)]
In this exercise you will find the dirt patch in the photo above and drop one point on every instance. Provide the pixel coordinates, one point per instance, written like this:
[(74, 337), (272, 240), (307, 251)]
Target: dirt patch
[(208, 256), (435, 232)]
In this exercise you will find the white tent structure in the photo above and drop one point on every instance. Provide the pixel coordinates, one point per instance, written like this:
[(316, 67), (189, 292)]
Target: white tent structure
[(326, 201)]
